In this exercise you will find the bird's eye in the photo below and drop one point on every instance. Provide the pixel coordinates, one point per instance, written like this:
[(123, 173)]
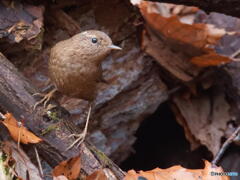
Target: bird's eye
[(94, 40)]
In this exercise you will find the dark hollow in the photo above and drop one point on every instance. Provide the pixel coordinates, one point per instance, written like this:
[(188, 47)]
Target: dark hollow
[(161, 143)]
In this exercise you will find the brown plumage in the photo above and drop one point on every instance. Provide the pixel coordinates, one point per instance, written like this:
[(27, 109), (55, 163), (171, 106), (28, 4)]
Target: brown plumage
[(75, 63), (75, 68)]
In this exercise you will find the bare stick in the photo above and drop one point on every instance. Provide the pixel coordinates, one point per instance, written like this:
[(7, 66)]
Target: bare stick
[(234, 55), (39, 162), (237, 52), (225, 146)]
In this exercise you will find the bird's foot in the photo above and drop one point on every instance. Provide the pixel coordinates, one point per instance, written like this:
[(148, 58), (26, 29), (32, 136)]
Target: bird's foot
[(45, 98), (78, 141), (81, 137)]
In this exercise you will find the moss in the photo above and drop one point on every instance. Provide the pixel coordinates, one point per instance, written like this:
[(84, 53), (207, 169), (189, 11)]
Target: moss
[(53, 116), (101, 156), (50, 128)]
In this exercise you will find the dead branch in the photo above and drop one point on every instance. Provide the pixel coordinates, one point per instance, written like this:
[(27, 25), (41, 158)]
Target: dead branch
[(225, 146)]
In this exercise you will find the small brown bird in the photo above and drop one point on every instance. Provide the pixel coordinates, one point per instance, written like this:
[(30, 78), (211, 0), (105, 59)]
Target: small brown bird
[(75, 67)]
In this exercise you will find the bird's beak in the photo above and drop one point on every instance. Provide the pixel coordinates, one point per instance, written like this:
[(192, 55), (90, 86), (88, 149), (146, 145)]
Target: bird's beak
[(114, 47)]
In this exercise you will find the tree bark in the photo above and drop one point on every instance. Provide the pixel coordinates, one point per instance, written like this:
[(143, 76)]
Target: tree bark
[(134, 88), (16, 97)]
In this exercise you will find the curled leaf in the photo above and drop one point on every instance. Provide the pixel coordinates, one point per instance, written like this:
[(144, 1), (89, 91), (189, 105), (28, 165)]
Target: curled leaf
[(177, 173), (69, 168), (97, 175), (18, 131)]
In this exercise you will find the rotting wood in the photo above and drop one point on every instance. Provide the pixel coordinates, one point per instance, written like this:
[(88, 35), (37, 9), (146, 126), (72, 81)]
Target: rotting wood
[(16, 97)]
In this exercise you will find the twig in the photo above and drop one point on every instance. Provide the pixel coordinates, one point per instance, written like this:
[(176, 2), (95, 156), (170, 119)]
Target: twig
[(39, 163), (19, 138), (225, 146), (237, 52), (234, 55)]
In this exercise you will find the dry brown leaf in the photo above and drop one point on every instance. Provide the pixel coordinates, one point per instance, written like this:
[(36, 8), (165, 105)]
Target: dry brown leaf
[(69, 168), (172, 24), (60, 178), (97, 175), (175, 25), (187, 131), (211, 59), (19, 132), (178, 173), (171, 27), (175, 62), (204, 117)]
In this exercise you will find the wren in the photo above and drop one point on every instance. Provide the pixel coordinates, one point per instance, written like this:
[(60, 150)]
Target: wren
[(75, 63), (75, 67)]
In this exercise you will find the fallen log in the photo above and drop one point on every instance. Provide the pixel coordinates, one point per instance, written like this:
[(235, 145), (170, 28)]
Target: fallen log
[(16, 97)]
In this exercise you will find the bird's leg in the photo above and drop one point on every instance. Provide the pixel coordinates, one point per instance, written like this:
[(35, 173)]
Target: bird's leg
[(45, 98), (81, 137)]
